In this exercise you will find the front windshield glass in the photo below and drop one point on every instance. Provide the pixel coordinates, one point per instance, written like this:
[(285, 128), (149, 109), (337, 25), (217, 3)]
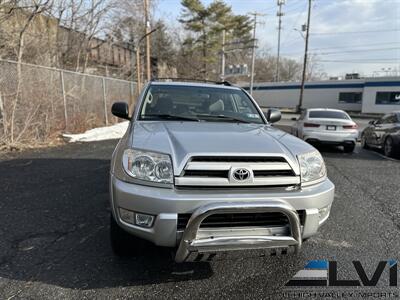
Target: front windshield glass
[(191, 103)]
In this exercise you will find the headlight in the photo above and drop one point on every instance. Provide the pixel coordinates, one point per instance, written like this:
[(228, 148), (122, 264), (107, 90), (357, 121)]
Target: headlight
[(150, 166), (312, 166)]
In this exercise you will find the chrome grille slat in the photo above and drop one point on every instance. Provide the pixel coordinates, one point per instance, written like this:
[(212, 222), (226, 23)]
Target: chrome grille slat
[(225, 166), (224, 173), (218, 181), (240, 159), (217, 172)]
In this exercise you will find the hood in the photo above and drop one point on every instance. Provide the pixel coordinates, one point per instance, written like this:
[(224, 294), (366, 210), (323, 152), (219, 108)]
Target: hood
[(185, 139)]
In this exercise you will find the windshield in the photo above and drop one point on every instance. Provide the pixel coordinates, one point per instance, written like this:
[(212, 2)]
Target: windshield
[(190, 103), (328, 114)]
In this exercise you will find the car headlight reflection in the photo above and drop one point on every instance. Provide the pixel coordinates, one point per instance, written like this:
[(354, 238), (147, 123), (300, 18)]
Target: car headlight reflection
[(146, 165)]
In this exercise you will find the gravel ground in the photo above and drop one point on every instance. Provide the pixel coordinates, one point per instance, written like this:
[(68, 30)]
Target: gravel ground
[(54, 236)]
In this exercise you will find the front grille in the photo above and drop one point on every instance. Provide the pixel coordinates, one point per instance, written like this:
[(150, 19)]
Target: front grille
[(225, 174), (207, 173), (212, 171), (267, 219), (266, 173)]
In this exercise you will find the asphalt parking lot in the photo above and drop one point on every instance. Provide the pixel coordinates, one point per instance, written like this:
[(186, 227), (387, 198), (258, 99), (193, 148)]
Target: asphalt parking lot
[(54, 236)]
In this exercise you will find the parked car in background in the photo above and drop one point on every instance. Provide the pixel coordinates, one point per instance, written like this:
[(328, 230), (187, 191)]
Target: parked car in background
[(326, 126), (384, 134)]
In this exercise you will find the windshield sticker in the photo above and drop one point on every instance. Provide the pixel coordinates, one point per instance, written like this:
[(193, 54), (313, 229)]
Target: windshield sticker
[(253, 116)]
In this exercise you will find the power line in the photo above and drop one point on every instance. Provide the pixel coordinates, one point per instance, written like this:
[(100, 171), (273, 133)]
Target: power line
[(355, 46), (299, 15), (352, 32), (356, 51), (362, 59), (366, 60), (357, 62), (317, 50), (295, 7)]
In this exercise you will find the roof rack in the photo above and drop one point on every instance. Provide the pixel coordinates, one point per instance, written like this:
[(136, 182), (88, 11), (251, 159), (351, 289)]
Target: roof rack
[(224, 82)]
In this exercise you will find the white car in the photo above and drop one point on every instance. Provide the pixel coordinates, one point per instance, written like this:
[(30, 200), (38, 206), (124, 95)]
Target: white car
[(326, 126)]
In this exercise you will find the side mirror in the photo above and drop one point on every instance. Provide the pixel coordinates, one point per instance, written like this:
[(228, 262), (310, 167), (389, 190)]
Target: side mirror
[(120, 110), (273, 115), (293, 119)]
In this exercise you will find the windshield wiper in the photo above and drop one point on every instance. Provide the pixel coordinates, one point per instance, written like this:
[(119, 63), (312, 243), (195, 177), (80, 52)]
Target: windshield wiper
[(172, 117), (222, 117)]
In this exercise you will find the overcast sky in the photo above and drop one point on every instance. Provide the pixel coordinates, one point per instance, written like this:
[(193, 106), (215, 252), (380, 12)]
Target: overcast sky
[(346, 35)]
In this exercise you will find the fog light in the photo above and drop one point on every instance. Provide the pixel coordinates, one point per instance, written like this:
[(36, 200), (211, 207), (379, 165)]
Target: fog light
[(144, 220), (127, 216), (324, 213)]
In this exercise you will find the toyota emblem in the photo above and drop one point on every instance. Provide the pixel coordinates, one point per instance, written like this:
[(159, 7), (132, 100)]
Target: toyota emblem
[(241, 174)]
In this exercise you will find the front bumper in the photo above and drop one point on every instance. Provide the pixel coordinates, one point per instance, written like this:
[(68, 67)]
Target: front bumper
[(166, 204), (338, 137), (191, 242)]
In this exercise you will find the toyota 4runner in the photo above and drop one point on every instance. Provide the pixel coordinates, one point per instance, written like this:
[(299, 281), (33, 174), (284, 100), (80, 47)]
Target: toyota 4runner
[(202, 169)]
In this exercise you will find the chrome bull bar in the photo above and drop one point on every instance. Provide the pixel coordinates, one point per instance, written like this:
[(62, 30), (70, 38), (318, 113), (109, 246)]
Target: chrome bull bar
[(189, 243)]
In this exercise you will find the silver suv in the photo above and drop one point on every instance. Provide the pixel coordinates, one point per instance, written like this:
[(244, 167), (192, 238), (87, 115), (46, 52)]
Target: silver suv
[(202, 169)]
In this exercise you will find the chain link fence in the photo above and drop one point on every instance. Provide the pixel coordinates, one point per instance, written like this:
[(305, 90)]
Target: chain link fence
[(37, 103)]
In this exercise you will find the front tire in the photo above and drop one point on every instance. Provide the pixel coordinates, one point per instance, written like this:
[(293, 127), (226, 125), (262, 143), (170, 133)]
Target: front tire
[(388, 147), (364, 142)]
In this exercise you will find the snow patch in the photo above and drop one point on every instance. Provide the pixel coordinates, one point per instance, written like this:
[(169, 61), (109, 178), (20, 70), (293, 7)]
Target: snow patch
[(99, 134)]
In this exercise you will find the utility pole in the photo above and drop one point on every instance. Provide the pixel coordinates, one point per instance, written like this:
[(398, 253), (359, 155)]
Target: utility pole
[(138, 64), (253, 52), (223, 56), (280, 14), (147, 24), (135, 64), (303, 78), (138, 70)]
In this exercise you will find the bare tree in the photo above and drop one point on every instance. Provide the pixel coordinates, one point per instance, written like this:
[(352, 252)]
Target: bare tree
[(60, 33), (289, 69), (30, 10), (314, 69), (79, 22)]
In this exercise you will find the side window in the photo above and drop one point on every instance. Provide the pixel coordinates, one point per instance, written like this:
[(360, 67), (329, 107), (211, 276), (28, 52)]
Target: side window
[(350, 97), (392, 98), (242, 106), (392, 119), (228, 105)]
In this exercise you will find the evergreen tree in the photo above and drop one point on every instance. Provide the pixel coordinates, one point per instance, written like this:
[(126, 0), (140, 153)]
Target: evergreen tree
[(205, 25)]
